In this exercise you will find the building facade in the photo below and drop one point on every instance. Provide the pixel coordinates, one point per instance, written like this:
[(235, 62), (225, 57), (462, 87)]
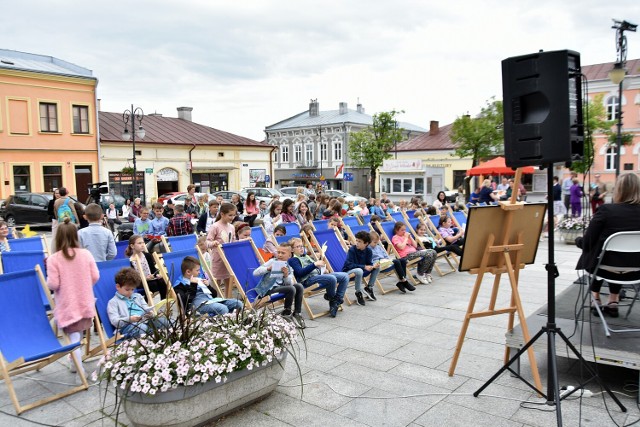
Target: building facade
[(604, 151), (176, 152), (48, 128), (313, 146)]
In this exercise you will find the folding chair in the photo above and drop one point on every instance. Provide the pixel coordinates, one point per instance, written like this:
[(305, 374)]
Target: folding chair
[(410, 214), (449, 257), (387, 233), (398, 217), (321, 224), (350, 221), (26, 261), (365, 219), (460, 219), (31, 343), (121, 246), (179, 243), (258, 235), (37, 243), (624, 242), (104, 290), (292, 228), (241, 259), (351, 232), (169, 266)]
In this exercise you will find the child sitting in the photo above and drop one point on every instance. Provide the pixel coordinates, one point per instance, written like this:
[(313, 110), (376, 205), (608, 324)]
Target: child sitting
[(196, 294), (270, 246), (127, 310), (360, 262), (381, 257), (277, 278), (180, 223), (206, 255)]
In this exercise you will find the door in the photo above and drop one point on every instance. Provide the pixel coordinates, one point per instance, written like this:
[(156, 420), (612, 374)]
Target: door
[(84, 177), (38, 209)]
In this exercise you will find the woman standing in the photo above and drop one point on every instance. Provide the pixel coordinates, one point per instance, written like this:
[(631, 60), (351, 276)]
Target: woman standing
[(71, 274), (126, 209), (610, 218)]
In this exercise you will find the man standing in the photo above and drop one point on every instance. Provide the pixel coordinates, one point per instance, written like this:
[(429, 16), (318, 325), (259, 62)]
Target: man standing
[(64, 207), (566, 190), (597, 193)]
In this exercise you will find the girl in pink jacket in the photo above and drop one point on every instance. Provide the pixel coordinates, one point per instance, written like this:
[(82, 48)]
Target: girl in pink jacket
[(71, 274)]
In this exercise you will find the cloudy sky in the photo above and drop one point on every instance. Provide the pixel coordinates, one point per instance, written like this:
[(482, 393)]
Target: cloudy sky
[(246, 64)]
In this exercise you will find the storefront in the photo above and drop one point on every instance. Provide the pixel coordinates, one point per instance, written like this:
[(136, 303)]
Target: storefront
[(122, 183), (210, 181), (167, 181), (404, 179)]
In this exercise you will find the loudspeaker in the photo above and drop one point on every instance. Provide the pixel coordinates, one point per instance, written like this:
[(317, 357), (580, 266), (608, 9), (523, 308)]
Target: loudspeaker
[(542, 99)]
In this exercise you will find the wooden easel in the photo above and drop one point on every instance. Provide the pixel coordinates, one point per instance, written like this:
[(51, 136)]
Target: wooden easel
[(503, 264)]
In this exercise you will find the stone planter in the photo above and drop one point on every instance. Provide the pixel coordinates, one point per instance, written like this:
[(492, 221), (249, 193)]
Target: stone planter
[(569, 236), (194, 405)]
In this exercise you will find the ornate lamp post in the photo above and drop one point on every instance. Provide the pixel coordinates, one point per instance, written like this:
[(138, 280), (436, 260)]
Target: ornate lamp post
[(616, 75), (130, 132)]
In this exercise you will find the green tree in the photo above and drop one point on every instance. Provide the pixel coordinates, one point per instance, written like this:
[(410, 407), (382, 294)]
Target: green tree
[(479, 137), (595, 121), (369, 147)]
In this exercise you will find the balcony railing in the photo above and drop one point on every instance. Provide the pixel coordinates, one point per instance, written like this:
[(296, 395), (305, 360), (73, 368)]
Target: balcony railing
[(307, 164)]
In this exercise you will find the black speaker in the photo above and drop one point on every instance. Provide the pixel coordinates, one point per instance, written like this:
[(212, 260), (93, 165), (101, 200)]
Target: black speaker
[(542, 108)]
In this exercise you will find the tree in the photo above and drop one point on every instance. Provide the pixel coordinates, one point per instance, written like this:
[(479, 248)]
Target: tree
[(479, 137), (369, 147), (595, 121)]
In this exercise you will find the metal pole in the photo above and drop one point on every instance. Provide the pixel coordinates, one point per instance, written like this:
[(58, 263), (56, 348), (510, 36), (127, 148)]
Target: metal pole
[(135, 170), (320, 132), (619, 135)]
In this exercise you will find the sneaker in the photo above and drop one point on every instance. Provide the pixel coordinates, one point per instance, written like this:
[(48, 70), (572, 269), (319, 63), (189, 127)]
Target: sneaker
[(359, 298), (368, 292), (327, 297), (401, 286), (611, 309), (286, 313), (333, 308), (299, 321), (422, 279), (371, 294), (408, 286), (429, 278)]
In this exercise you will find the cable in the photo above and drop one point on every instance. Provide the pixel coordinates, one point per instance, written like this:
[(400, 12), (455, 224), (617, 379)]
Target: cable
[(28, 420)]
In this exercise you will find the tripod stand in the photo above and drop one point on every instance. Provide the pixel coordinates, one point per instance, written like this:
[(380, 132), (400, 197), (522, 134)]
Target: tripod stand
[(551, 330)]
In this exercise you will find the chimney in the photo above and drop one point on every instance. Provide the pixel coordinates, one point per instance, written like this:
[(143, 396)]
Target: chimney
[(184, 113), (314, 108), (98, 104), (360, 108), (434, 127), (342, 108)]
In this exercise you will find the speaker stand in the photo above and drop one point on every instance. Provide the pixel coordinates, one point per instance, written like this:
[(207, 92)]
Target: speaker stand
[(551, 330)]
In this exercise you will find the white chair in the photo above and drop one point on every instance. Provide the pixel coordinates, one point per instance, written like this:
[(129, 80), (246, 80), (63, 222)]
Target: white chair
[(625, 275)]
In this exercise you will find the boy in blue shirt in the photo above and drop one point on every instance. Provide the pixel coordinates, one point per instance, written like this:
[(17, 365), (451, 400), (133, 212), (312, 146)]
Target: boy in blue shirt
[(142, 225), (195, 292), (360, 262), (158, 226)]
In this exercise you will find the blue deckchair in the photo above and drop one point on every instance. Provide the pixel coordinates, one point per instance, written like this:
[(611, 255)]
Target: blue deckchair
[(351, 231), (387, 234), (180, 243), (461, 219), (410, 213), (28, 244), (241, 259), (258, 235), (121, 246), (104, 290), (321, 224), (366, 219), (350, 221), (292, 228), (26, 261), (31, 343)]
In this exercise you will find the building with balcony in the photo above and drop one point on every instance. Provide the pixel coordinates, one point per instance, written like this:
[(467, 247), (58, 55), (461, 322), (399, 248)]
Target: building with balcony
[(312, 146), (48, 127), (176, 152)]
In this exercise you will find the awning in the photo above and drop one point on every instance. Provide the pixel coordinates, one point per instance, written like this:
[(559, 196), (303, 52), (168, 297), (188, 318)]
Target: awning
[(496, 166), (214, 170)]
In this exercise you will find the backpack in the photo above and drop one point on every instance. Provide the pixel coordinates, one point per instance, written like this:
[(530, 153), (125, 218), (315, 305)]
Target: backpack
[(65, 211)]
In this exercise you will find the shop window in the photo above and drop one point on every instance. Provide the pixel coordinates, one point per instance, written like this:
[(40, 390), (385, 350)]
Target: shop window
[(52, 176), (21, 178)]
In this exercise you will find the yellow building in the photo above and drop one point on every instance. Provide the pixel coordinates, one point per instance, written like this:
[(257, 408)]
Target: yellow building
[(176, 152), (47, 125)]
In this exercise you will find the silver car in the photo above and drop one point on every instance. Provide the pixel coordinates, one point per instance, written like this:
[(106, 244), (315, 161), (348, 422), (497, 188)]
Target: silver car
[(346, 196)]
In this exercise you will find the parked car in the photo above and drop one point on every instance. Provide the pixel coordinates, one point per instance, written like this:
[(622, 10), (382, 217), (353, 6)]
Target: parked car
[(27, 208), (289, 191), (226, 195), (346, 196), (166, 196), (265, 194)]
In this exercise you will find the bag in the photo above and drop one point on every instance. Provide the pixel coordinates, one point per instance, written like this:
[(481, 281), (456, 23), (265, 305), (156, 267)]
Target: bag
[(65, 211), (596, 195)]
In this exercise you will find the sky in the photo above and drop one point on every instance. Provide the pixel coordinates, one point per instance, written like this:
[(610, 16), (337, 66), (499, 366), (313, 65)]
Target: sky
[(246, 64)]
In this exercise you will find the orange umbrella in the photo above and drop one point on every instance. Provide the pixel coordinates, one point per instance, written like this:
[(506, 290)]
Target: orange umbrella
[(496, 166)]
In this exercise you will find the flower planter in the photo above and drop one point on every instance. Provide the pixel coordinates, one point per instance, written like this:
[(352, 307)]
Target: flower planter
[(197, 404), (569, 236)]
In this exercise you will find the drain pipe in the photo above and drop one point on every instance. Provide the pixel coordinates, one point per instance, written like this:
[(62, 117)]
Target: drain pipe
[(191, 165)]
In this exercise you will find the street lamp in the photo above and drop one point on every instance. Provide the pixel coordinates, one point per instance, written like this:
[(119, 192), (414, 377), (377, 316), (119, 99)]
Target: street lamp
[(616, 75), (130, 133), (320, 145)]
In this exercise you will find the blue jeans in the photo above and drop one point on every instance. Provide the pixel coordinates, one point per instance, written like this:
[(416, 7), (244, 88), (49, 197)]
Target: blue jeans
[(134, 330), (329, 282), (204, 306), (360, 273)]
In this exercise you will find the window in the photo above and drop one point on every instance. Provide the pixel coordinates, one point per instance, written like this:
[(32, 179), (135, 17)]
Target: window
[(38, 200), (323, 152), (297, 153), (21, 178), (419, 185), (80, 119), (402, 185), (337, 149), (284, 153), (612, 108), (308, 153), (52, 177), (48, 117), (610, 158)]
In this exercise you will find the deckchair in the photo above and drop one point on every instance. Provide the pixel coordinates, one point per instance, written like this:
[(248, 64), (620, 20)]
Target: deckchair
[(460, 219), (321, 224), (398, 217), (365, 219), (31, 343), (121, 246), (25, 261), (350, 221), (208, 274), (104, 290), (410, 214), (179, 243), (292, 228), (169, 266), (241, 259), (258, 235), (37, 243), (431, 232), (351, 232), (432, 222), (387, 233)]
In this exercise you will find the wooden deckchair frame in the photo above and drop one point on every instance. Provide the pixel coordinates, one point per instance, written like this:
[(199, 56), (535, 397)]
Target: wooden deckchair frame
[(393, 253), (449, 257)]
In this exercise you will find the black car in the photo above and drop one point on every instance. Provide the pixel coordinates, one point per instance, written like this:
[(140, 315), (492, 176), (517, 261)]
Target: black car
[(26, 208)]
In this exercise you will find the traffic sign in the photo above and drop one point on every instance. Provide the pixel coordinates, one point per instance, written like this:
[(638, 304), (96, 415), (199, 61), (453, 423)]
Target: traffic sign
[(267, 178), (347, 176), (149, 171)]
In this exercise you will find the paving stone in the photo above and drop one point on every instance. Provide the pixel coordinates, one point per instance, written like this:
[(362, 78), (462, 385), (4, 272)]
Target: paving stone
[(372, 361), (452, 415), (362, 341), (420, 354), (428, 375)]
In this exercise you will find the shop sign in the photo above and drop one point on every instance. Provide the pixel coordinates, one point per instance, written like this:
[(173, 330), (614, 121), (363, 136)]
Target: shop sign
[(167, 174), (401, 164)]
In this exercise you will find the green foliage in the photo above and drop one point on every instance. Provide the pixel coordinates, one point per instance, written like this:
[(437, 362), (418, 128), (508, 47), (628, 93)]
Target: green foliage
[(369, 147), (479, 137), (595, 121)]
